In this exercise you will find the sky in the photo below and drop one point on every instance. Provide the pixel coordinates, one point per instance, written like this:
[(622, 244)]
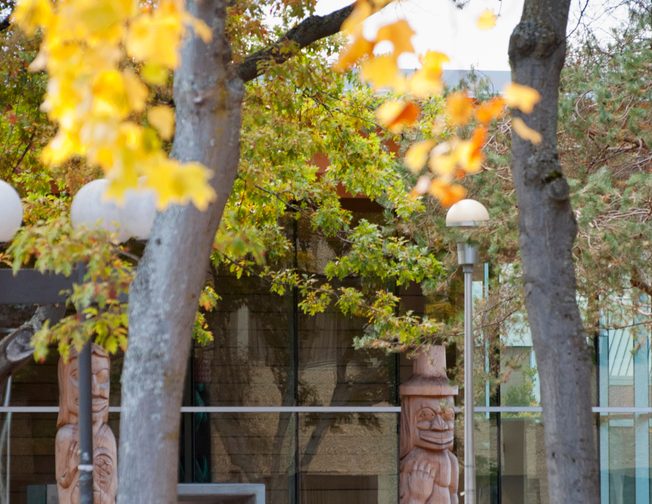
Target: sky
[(443, 27)]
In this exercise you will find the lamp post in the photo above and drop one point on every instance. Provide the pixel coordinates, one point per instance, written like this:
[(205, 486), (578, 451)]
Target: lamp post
[(89, 209), (468, 214), (134, 218)]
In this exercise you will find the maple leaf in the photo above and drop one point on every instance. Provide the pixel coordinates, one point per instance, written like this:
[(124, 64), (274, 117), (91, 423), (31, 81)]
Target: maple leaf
[(446, 192), (162, 118), (396, 115), (489, 110), (155, 74), (30, 15), (521, 97), (353, 24), (136, 91), (382, 72), (180, 184), (417, 155), (155, 37), (354, 51), (110, 95), (459, 108), (427, 80), (469, 152), (525, 132), (443, 161), (62, 147), (486, 20), (399, 34), (202, 30)]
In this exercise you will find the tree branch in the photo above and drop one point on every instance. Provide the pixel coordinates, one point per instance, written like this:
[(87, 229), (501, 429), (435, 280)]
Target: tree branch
[(15, 348), (309, 30)]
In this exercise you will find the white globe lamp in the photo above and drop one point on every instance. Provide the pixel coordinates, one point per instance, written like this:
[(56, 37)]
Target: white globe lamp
[(90, 210), (138, 213), (467, 213), (11, 212)]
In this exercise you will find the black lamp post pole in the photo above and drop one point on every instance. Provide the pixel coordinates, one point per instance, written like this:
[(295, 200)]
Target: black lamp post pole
[(85, 425)]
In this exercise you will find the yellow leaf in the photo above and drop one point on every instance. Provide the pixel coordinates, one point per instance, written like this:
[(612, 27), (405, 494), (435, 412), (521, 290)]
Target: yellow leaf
[(353, 52), (399, 34), (155, 37), (110, 95), (62, 147), (433, 62), (469, 152), (525, 132), (422, 86), (98, 20), (443, 164), (154, 74), (417, 155), (396, 115), (137, 92), (179, 184), (426, 81), (459, 108), (32, 14), (382, 72), (162, 118), (353, 24), (202, 30), (446, 192), (119, 182), (521, 97), (489, 110), (486, 20)]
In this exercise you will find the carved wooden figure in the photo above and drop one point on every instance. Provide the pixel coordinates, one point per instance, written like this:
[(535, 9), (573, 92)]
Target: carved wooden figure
[(429, 469), (105, 470)]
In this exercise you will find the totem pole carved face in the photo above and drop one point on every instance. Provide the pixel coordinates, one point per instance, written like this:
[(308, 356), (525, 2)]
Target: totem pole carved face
[(101, 386), (69, 387), (433, 423)]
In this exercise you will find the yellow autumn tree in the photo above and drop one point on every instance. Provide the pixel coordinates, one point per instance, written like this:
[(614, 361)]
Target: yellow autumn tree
[(104, 60)]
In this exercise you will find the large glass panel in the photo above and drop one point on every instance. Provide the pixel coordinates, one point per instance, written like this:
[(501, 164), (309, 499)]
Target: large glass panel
[(487, 456), (349, 458), (251, 360), (243, 448), (510, 459), (332, 372)]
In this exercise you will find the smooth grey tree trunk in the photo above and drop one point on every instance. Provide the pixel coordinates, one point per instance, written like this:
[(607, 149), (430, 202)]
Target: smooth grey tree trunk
[(547, 232), (163, 298)]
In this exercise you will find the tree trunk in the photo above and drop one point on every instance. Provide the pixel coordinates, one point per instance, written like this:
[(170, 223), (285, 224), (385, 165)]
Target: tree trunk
[(547, 231), (163, 298)]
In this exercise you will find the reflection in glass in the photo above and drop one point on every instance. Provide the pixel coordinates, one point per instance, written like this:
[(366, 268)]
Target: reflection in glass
[(510, 459), (349, 458)]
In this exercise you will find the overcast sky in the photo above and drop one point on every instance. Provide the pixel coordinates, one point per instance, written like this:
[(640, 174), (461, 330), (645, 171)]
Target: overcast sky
[(442, 27)]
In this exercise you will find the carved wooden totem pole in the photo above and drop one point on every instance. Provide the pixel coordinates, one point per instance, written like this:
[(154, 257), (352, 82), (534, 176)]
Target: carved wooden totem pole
[(105, 470), (429, 469)]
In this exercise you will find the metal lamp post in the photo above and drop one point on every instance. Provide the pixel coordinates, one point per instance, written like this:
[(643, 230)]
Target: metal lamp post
[(89, 209), (468, 214), (134, 218)]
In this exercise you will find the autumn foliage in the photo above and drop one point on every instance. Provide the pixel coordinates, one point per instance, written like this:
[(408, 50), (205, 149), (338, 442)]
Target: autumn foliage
[(104, 60), (450, 161)]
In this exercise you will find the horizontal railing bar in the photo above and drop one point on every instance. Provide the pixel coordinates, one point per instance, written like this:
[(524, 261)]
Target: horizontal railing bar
[(335, 409)]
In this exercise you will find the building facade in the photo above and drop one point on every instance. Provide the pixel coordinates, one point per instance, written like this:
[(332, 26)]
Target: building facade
[(284, 399)]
